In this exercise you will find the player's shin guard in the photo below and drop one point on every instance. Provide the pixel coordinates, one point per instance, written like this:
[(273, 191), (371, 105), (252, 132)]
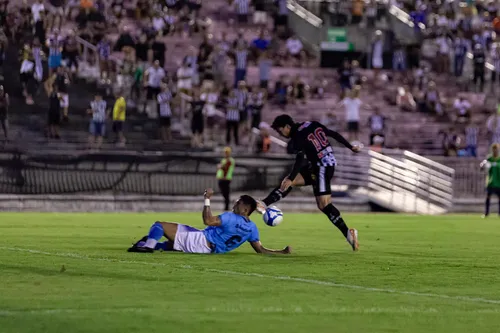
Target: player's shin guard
[(276, 195), (155, 234), (334, 215)]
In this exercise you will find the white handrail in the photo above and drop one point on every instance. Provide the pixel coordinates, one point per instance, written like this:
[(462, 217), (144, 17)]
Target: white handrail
[(86, 43), (428, 161), (304, 13), (274, 139)]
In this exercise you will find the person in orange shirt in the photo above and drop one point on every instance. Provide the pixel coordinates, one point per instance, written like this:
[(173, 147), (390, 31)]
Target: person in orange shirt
[(86, 4), (357, 11), (496, 24)]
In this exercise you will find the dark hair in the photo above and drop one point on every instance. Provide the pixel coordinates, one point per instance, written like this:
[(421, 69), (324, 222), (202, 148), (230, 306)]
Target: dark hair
[(249, 201), (282, 121)]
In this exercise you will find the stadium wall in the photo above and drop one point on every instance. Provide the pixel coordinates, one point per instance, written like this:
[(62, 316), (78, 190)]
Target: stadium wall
[(146, 203)]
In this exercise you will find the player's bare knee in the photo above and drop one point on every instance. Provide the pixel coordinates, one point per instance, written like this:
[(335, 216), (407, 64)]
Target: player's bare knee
[(169, 230), (322, 202)]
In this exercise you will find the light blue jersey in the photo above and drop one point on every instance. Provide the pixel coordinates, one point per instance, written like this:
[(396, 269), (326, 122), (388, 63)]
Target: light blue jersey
[(233, 231)]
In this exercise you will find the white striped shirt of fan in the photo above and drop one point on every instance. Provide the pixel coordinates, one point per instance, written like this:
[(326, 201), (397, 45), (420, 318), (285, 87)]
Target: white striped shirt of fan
[(98, 111)]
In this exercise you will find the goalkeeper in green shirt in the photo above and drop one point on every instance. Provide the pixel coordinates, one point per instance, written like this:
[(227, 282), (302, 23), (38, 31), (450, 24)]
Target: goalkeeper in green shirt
[(492, 165)]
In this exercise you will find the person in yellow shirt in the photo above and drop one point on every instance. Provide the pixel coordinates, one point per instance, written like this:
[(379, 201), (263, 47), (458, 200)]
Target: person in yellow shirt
[(224, 175), (119, 113)]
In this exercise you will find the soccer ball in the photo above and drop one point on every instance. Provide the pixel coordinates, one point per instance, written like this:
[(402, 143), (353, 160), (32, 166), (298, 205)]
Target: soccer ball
[(273, 216)]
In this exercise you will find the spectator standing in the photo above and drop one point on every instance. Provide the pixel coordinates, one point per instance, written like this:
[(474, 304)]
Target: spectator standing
[(462, 108), (377, 126), (4, 109), (352, 104), (241, 94), (260, 14), (224, 176), (55, 43), (399, 57), (241, 63), (377, 54), (471, 134), (210, 97), (294, 49), (61, 79), (197, 121), (184, 85), (27, 73), (479, 58), (265, 67), (371, 14), (153, 78), (281, 19), (232, 118), (37, 8), (158, 49), (493, 126), (119, 115), (345, 74), (54, 112), (443, 43), (71, 52), (164, 99), (461, 47), (37, 52), (495, 74), (56, 9), (242, 10), (97, 126), (104, 52)]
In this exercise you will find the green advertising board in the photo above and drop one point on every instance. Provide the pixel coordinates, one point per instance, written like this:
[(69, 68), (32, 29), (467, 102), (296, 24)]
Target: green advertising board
[(337, 35)]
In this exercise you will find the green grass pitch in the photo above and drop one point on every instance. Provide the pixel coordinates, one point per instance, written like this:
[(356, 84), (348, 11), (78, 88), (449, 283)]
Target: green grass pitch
[(412, 274)]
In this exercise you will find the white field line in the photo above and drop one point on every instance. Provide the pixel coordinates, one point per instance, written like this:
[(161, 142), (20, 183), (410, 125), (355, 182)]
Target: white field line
[(291, 310), (272, 277)]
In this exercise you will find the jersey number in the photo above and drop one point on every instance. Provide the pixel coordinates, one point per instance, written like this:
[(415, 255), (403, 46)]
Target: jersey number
[(318, 139), (233, 241)]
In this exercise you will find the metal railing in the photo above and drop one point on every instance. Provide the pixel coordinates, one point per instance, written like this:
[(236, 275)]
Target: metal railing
[(307, 26), (88, 50), (413, 184)]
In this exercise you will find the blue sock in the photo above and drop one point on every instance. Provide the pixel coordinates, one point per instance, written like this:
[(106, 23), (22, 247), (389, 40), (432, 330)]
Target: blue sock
[(165, 246), (155, 234)]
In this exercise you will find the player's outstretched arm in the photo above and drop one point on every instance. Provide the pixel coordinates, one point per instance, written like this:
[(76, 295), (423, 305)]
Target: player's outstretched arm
[(338, 137), (257, 246), (208, 218)]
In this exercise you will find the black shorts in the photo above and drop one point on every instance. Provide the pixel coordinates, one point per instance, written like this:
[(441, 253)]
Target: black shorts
[(493, 190), (152, 93), (117, 126), (165, 121), (353, 126), (319, 177)]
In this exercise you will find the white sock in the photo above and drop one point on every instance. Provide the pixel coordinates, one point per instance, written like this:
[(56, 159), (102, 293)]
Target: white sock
[(151, 243)]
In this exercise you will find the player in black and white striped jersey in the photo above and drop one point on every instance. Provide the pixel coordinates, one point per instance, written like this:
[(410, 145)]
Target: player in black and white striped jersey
[(310, 141), (232, 118), (164, 100)]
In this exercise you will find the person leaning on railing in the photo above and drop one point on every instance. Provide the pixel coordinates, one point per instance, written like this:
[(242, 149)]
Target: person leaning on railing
[(225, 172)]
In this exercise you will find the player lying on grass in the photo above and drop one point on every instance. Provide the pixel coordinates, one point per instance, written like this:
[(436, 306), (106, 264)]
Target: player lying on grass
[(224, 232), (310, 138)]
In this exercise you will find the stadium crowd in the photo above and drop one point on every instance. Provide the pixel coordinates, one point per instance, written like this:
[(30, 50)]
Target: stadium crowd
[(205, 88)]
